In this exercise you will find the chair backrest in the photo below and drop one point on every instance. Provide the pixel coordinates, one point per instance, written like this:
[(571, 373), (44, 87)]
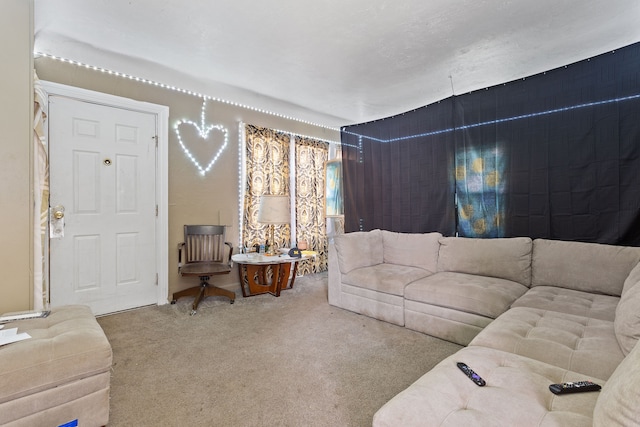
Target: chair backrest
[(204, 243)]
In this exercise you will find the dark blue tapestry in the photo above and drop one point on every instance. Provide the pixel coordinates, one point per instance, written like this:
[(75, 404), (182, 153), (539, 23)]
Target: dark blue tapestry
[(480, 192)]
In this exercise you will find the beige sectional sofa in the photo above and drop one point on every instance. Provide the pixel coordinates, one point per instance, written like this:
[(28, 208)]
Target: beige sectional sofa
[(531, 313), (60, 375)]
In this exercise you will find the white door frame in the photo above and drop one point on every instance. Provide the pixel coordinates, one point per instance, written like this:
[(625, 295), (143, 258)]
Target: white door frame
[(162, 166)]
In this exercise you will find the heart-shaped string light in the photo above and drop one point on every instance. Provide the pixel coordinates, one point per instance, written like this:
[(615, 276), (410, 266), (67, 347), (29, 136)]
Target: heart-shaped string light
[(203, 131)]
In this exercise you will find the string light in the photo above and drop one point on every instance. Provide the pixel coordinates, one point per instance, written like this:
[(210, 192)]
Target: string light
[(203, 131), (177, 89), (328, 141), (242, 173), (493, 122)]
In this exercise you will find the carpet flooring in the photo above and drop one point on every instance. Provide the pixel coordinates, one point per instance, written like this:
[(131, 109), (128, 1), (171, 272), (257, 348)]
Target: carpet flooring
[(263, 361)]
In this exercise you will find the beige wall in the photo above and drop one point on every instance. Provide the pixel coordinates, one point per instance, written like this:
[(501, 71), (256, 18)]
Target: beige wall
[(16, 111), (193, 199)]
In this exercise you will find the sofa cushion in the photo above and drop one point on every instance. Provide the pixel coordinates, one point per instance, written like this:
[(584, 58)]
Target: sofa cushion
[(358, 249), (387, 278), (588, 267), (64, 347), (632, 279), (570, 301), (413, 249), (627, 322), (379, 305), (504, 258), (571, 342), (618, 401), (517, 394), (448, 324), (485, 296)]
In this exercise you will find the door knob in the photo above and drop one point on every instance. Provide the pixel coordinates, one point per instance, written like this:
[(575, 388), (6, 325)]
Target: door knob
[(56, 225)]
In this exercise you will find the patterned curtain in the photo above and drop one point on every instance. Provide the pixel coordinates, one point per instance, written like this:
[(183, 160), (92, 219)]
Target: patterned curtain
[(311, 157), (41, 198), (267, 165)]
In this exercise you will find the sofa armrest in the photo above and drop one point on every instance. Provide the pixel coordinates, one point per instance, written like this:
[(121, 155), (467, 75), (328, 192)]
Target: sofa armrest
[(335, 276), (358, 249), (632, 279)]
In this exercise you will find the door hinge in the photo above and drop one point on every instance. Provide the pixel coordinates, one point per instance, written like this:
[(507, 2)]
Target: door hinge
[(156, 279), (156, 139), (156, 211)]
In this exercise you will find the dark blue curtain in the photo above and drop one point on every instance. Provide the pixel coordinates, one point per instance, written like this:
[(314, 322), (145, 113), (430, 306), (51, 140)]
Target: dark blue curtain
[(555, 155), (397, 173)]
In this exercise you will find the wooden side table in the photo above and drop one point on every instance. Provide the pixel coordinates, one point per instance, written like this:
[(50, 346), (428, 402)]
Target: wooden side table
[(261, 274)]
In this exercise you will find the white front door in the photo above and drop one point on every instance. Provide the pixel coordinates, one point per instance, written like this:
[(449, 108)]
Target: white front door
[(103, 181)]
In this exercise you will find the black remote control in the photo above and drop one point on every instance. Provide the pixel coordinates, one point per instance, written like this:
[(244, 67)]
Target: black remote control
[(574, 387), (472, 375)]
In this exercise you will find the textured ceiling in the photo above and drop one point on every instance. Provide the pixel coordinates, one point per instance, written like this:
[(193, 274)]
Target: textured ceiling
[(333, 62)]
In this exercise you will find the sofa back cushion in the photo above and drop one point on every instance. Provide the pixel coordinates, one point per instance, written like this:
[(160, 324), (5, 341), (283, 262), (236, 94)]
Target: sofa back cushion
[(508, 258), (627, 320), (617, 404), (358, 249), (411, 249), (588, 267)]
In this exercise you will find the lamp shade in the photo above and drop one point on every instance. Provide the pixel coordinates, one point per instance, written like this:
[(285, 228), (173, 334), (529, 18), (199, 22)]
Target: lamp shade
[(274, 210)]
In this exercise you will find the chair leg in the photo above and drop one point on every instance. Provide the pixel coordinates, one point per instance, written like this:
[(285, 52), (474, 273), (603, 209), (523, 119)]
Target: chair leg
[(201, 292), (190, 292), (211, 290), (196, 302)]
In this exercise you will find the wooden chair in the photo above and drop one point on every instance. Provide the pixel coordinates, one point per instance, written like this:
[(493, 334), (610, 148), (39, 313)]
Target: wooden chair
[(204, 256)]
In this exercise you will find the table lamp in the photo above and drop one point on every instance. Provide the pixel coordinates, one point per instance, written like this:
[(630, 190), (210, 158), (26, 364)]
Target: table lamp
[(274, 210)]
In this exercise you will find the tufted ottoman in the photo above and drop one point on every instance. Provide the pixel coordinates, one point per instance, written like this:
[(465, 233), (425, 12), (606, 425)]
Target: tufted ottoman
[(59, 375), (517, 394)]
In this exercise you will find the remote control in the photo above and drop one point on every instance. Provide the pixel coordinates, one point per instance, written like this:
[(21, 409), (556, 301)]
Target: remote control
[(472, 375), (22, 315), (574, 387)]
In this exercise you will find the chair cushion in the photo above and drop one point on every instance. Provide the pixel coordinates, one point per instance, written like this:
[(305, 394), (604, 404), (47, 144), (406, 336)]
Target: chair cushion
[(577, 343), (204, 269), (569, 301), (485, 296), (504, 258)]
